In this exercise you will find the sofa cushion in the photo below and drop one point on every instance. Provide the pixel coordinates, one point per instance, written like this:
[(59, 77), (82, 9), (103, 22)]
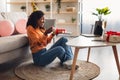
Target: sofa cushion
[(6, 28), (20, 25), (12, 42)]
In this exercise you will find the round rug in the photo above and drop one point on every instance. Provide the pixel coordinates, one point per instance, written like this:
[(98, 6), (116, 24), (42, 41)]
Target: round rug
[(28, 71)]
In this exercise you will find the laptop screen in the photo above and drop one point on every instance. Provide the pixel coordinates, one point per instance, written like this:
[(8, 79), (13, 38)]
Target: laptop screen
[(49, 23)]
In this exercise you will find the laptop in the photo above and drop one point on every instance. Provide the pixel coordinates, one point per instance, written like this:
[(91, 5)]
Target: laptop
[(49, 23), (89, 35)]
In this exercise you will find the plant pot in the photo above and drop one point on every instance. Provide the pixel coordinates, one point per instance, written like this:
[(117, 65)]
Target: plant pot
[(47, 9), (98, 30)]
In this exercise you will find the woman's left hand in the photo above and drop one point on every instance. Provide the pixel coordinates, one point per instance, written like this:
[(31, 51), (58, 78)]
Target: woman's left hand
[(49, 30)]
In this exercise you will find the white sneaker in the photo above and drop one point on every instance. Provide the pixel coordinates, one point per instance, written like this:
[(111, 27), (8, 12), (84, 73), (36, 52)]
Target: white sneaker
[(68, 65)]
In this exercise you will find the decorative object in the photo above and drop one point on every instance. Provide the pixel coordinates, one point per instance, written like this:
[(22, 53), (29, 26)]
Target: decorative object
[(34, 6), (112, 36), (60, 31), (98, 30), (70, 9), (47, 6), (100, 25), (23, 8), (58, 5), (28, 71), (61, 21), (101, 12), (6, 26), (73, 19), (20, 26)]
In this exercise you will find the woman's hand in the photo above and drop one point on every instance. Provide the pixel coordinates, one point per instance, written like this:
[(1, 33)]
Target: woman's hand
[(49, 30), (53, 32)]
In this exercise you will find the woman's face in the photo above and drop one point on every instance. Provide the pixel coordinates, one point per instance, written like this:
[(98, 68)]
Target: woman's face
[(41, 21)]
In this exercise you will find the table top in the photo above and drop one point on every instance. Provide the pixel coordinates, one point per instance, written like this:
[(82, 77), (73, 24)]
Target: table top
[(85, 42)]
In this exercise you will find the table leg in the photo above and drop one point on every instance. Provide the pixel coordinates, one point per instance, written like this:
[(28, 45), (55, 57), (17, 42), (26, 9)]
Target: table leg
[(116, 58), (88, 54), (74, 62)]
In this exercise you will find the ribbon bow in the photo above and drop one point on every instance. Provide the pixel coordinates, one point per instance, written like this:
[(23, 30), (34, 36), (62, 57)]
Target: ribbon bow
[(109, 33)]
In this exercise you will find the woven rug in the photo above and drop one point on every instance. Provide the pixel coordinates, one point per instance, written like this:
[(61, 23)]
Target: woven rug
[(28, 71)]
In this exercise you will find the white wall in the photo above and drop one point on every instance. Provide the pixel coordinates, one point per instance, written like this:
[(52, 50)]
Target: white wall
[(89, 6), (2, 5), (113, 19)]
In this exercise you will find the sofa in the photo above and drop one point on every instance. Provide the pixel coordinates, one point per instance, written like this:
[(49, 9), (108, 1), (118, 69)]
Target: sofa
[(13, 51), (13, 48)]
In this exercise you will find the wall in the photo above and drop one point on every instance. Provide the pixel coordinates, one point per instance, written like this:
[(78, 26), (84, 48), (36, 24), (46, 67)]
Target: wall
[(2, 6), (113, 19)]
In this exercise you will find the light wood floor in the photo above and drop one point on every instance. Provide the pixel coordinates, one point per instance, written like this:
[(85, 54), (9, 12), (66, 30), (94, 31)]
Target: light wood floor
[(103, 57)]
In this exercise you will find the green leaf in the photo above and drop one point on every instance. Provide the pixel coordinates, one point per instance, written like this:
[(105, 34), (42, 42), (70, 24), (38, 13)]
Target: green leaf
[(102, 11)]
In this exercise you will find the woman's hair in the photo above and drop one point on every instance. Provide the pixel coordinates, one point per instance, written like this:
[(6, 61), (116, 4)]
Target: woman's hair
[(33, 18)]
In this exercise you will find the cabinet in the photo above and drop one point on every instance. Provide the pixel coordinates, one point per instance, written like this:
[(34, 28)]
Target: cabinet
[(67, 18)]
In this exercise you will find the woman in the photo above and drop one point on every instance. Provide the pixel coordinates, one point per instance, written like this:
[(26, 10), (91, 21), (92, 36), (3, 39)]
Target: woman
[(39, 39)]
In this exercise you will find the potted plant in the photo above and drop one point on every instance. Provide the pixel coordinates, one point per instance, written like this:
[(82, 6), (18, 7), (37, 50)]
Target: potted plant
[(47, 6), (101, 11), (58, 5), (73, 19), (23, 8), (98, 30)]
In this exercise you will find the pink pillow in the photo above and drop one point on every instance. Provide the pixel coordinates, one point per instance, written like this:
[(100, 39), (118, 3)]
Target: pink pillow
[(20, 26), (6, 28)]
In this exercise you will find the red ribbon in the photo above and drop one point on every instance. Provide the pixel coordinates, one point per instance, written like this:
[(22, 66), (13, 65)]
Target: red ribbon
[(109, 33)]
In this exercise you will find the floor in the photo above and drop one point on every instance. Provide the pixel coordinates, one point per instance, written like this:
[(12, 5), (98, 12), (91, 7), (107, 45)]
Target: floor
[(103, 57)]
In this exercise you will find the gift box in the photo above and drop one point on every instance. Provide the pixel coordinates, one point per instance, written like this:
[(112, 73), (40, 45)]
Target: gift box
[(111, 36), (59, 31)]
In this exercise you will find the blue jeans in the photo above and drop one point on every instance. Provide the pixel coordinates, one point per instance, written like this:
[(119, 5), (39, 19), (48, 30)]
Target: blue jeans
[(58, 49)]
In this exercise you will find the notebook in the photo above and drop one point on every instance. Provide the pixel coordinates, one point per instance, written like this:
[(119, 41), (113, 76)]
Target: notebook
[(49, 23)]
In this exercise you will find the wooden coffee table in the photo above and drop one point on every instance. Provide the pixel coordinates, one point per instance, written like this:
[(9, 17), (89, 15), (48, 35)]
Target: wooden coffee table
[(89, 42)]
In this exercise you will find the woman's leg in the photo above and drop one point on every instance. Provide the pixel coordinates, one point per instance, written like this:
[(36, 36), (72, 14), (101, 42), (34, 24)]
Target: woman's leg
[(68, 51), (48, 56), (67, 59)]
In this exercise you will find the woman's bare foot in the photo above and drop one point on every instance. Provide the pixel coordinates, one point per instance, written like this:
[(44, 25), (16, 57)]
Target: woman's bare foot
[(68, 65)]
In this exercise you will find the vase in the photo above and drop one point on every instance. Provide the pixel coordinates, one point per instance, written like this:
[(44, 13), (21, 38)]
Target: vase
[(98, 30)]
